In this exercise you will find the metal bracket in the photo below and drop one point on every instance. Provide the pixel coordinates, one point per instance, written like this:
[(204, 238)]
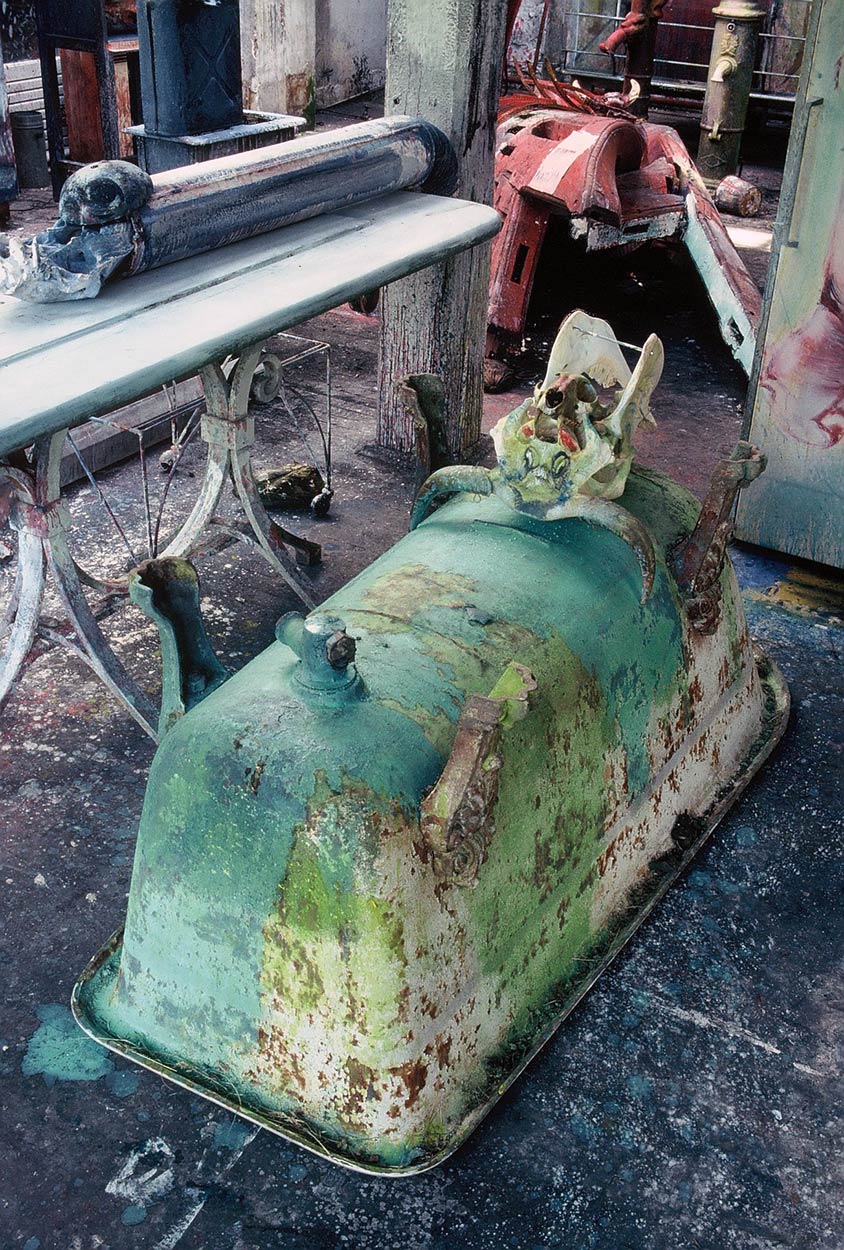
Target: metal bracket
[(457, 817), (699, 559)]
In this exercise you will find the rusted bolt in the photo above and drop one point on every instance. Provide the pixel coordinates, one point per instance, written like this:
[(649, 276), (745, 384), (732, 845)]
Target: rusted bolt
[(340, 649)]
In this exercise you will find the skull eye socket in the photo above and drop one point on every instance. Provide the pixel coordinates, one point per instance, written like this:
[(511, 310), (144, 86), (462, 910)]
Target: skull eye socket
[(104, 192), (560, 464), (530, 459)]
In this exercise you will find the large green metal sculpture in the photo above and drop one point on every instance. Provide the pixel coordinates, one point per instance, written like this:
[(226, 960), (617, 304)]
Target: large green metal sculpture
[(378, 866)]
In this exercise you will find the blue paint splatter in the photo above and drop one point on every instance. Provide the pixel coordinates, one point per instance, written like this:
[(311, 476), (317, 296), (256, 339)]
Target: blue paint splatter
[(32, 1244), (134, 1215), (122, 1083), (59, 1051), (745, 836)]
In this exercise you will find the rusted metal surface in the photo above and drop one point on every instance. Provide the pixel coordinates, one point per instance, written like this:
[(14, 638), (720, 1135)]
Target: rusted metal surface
[(370, 882), (616, 183), (167, 591), (637, 32), (457, 819), (699, 560), (737, 195), (587, 169)]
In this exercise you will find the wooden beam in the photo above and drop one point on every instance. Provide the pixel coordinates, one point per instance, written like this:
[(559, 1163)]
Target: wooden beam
[(444, 60), (278, 53)]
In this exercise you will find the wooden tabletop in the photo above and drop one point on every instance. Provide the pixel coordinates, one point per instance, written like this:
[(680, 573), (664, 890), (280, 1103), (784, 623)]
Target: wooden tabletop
[(61, 364)]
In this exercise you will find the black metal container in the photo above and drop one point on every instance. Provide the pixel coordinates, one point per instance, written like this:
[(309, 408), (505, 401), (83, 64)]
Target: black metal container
[(190, 65)]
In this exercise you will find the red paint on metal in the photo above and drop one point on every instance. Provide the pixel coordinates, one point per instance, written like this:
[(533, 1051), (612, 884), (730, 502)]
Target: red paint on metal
[(611, 175), (555, 162)]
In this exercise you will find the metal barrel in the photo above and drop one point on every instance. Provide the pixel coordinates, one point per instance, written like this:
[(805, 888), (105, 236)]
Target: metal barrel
[(205, 206), (30, 149)]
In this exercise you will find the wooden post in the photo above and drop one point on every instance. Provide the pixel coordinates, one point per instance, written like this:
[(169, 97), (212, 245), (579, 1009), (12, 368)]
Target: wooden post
[(444, 62), (278, 52)]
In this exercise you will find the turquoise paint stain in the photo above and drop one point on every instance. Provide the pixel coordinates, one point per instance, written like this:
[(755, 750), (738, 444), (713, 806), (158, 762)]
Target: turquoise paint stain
[(135, 1214), (745, 836), (232, 1135), (59, 1051), (33, 1243)]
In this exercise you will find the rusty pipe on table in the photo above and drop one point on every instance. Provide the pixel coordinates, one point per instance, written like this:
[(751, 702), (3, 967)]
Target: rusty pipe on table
[(113, 217), (208, 205)]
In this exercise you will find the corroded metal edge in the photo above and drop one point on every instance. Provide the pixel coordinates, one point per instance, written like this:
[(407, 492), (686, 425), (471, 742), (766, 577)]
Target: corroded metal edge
[(777, 705)]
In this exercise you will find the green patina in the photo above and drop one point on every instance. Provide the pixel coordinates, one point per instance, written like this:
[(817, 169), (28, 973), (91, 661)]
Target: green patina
[(270, 880), (546, 830), (331, 939), (226, 794)]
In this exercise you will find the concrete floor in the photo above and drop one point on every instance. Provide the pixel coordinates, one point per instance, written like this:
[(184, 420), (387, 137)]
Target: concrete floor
[(692, 1100)]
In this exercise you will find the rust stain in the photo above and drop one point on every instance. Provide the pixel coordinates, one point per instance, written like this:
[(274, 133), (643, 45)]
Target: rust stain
[(254, 777), (415, 1077)]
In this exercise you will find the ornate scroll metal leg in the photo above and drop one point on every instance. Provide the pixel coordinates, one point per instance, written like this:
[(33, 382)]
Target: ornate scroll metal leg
[(229, 432), (25, 607), (190, 535), (39, 516), (93, 647), (40, 519)]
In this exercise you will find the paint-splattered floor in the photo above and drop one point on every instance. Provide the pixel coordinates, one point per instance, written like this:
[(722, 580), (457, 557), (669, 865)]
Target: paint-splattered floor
[(693, 1100)]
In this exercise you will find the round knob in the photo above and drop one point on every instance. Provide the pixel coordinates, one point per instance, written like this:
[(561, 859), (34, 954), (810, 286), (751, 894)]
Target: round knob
[(340, 649)]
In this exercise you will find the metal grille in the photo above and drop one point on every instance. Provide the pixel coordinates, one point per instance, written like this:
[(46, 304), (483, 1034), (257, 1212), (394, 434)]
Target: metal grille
[(684, 37)]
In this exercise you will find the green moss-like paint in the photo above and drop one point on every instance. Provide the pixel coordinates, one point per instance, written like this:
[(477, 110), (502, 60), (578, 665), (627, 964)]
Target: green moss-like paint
[(284, 912)]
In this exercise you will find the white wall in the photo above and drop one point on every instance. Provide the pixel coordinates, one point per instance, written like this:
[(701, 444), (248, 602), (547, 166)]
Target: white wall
[(350, 48)]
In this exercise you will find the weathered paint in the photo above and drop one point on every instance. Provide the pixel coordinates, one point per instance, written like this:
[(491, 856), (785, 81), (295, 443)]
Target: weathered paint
[(617, 183), (350, 49), (278, 49), (290, 948), (795, 406), (728, 86)]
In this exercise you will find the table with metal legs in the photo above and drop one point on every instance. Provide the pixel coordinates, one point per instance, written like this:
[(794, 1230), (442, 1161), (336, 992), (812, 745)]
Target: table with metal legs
[(188, 318)]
